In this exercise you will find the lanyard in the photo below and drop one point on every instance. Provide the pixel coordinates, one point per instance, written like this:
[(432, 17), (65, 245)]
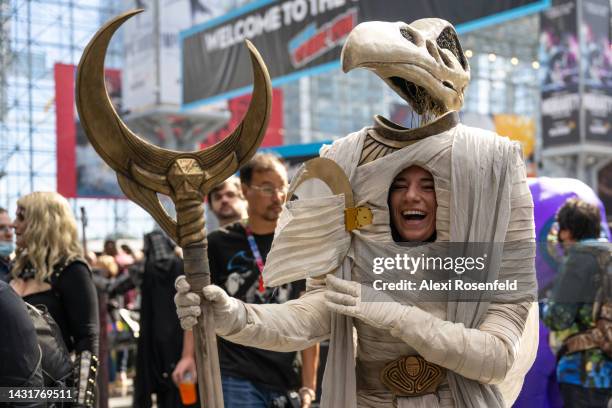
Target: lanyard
[(258, 260)]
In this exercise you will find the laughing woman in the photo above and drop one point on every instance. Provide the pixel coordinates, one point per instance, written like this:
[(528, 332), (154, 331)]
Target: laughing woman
[(49, 270)]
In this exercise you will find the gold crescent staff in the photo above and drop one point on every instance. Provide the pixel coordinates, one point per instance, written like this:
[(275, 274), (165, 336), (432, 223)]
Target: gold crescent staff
[(143, 170)]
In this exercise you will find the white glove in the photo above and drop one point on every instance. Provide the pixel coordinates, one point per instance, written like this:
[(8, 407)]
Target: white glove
[(379, 311), (229, 313)]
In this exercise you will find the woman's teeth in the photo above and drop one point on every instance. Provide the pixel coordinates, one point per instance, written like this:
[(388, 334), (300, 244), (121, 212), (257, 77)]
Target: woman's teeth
[(416, 215)]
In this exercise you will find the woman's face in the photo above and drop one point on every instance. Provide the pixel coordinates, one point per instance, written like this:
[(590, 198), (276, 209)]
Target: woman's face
[(20, 224), (412, 200)]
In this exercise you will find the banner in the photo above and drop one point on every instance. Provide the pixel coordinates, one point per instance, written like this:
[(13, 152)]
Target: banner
[(303, 37), (559, 51), (238, 108), (523, 130), (80, 171), (597, 70)]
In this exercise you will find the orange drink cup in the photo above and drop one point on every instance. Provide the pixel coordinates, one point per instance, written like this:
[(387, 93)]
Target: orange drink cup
[(187, 389)]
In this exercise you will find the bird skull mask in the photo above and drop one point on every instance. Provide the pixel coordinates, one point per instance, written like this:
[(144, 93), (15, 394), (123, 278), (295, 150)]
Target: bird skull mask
[(423, 62)]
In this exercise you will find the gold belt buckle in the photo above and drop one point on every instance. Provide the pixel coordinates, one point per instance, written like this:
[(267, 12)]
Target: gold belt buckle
[(411, 376)]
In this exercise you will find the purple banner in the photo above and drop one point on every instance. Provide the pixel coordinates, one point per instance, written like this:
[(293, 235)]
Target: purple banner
[(549, 194)]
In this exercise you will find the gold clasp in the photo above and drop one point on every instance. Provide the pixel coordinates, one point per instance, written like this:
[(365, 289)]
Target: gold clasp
[(357, 217)]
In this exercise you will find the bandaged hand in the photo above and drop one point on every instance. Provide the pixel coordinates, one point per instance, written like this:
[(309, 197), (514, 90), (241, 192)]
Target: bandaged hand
[(228, 312), (346, 298)]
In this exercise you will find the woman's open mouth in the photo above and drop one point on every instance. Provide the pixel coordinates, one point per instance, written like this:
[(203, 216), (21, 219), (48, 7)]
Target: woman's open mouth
[(414, 215)]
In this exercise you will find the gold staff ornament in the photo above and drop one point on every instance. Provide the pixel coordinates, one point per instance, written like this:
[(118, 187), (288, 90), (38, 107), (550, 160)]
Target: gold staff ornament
[(144, 170)]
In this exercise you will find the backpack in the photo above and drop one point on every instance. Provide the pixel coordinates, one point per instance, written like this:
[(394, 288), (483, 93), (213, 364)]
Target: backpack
[(599, 336), (56, 363), (602, 308)]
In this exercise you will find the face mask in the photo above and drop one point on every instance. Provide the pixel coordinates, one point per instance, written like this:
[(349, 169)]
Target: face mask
[(6, 248)]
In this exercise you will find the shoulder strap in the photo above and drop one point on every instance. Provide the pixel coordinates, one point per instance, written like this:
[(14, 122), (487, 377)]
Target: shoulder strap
[(59, 268)]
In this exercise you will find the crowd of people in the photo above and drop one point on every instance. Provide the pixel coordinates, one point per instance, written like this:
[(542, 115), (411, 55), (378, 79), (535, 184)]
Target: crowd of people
[(83, 291), (45, 276)]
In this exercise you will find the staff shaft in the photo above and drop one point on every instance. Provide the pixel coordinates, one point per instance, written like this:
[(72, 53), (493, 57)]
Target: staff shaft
[(207, 359)]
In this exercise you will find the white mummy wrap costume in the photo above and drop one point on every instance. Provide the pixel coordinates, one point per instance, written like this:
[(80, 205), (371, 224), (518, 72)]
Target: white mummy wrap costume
[(492, 352), (486, 347)]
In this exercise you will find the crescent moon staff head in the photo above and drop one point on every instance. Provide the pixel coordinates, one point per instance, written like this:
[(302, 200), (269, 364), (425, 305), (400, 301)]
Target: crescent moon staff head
[(143, 168)]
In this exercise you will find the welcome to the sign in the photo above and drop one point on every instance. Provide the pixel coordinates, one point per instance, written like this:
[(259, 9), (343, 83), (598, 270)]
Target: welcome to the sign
[(304, 37)]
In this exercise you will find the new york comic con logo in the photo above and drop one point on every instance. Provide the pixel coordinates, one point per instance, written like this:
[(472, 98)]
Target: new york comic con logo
[(312, 42)]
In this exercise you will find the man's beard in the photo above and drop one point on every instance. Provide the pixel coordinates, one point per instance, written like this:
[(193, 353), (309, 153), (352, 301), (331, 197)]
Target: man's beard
[(228, 216), (270, 214), (228, 209)]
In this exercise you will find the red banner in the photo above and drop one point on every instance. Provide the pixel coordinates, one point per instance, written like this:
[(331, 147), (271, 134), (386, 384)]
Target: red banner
[(238, 108), (80, 171), (65, 129)]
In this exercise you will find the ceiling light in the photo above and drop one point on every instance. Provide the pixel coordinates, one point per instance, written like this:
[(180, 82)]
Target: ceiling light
[(468, 53), (492, 57), (535, 65), (514, 61)]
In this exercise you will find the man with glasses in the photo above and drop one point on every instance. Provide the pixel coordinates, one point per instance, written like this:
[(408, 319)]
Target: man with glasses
[(6, 244), (253, 377)]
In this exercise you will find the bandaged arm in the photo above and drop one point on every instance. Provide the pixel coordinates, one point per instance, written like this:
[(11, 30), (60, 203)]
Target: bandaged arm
[(484, 354), (291, 326)]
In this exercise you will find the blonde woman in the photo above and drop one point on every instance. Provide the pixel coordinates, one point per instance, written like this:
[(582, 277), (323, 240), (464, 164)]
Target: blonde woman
[(49, 270)]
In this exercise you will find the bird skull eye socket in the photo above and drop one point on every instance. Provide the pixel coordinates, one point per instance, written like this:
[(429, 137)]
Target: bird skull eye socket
[(409, 34), (406, 34), (448, 39)]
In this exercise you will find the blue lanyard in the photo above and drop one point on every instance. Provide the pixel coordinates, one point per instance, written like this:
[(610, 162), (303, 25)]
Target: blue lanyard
[(258, 259)]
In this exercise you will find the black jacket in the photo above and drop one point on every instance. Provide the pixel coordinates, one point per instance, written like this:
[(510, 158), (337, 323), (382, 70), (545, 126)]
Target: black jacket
[(19, 351), (161, 338)]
